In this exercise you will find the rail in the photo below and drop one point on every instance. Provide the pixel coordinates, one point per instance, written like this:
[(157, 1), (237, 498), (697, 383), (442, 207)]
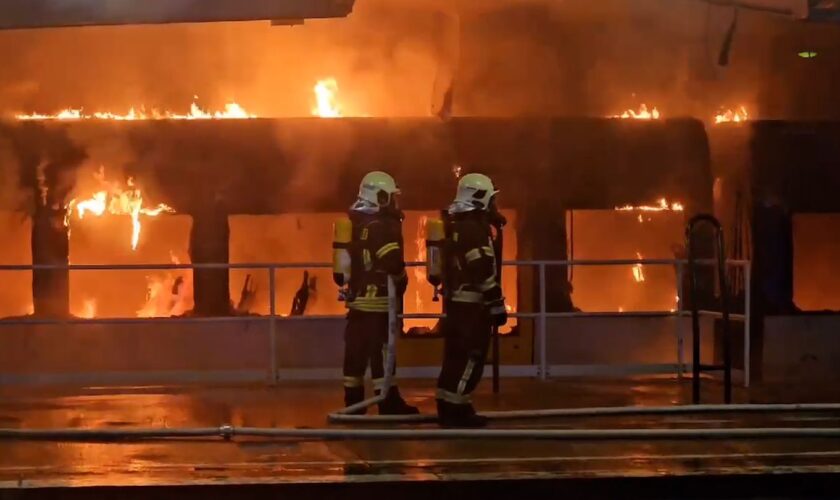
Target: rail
[(541, 316)]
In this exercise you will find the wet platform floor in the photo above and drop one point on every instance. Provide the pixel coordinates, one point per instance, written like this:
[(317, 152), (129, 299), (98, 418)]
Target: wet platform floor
[(260, 463)]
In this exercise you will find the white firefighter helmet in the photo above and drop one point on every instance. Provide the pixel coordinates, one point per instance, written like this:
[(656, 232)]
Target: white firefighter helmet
[(475, 191), (378, 189)]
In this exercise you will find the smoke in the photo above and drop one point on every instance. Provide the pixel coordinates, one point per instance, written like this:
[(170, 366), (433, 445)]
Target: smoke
[(381, 56), (398, 58)]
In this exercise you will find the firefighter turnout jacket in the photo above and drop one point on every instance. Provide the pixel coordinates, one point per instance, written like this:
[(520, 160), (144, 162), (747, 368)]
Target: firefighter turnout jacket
[(471, 261), (376, 252)]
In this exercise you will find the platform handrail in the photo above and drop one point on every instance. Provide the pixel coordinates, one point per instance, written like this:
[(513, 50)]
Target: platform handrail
[(541, 316), (327, 265)]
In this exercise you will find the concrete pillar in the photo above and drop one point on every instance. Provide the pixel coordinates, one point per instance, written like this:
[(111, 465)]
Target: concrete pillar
[(209, 244), (50, 246), (542, 235)]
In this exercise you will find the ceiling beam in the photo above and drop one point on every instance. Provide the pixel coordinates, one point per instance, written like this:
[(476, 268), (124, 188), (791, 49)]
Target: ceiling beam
[(20, 14)]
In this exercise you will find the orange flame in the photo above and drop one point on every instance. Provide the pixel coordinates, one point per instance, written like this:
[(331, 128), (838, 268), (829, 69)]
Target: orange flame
[(638, 270), (232, 111), (642, 114), (88, 309), (326, 99), (116, 201), (662, 206), (729, 116), (168, 295)]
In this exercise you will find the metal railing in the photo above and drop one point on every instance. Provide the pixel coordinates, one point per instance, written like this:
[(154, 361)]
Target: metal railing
[(723, 289), (541, 316)]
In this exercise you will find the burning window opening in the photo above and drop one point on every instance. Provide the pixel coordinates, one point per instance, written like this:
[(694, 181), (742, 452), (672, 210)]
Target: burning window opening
[(287, 238), (737, 115), (326, 99), (617, 234), (124, 293), (115, 200), (232, 111), (16, 292), (663, 205), (816, 244), (642, 114)]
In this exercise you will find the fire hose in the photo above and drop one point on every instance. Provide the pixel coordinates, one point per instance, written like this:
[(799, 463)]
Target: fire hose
[(228, 432), (608, 411), (346, 415)]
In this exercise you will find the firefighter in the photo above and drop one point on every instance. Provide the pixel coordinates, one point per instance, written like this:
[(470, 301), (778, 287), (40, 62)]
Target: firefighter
[(376, 252), (473, 298)]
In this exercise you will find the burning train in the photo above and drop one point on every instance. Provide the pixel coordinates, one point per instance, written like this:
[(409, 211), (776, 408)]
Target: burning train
[(235, 184)]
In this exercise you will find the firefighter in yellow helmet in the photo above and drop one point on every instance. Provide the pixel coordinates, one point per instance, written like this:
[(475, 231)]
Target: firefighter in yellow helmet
[(473, 298), (376, 252)]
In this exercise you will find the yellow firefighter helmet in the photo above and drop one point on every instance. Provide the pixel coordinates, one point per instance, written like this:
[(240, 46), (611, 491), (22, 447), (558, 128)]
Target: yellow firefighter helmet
[(378, 189), (476, 191)]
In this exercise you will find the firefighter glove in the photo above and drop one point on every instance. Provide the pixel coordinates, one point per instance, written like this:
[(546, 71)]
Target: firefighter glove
[(498, 312)]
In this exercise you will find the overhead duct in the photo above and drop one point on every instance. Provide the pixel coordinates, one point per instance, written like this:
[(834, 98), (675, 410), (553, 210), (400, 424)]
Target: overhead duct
[(18, 14)]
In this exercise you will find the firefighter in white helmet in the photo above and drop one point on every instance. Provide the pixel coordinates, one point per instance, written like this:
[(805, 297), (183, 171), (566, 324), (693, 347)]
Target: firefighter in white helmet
[(473, 297), (376, 252)]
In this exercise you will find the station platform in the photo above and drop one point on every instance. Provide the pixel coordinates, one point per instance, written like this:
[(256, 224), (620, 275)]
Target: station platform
[(215, 468)]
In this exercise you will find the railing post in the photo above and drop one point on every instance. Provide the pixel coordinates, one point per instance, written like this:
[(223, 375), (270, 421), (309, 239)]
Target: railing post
[(678, 321), (272, 326), (394, 331), (695, 323), (747, 321), (541, 329), (727, 330)]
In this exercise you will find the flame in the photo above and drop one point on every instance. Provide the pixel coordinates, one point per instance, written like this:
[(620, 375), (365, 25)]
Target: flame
[(168, 295), (729, 116), (116, 201), (326, 98), (232, 111), (419, 272), (88, 309), (662, 206), (96, 204), (638, 270), (642, 114)]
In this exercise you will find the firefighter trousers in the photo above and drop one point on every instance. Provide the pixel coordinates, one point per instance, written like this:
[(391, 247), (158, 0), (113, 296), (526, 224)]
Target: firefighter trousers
[(467, 330), (365, 339)]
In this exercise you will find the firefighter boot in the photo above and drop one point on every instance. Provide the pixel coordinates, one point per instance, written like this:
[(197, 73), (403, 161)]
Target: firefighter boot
[(353, 395), (394, 404), (461, 416)]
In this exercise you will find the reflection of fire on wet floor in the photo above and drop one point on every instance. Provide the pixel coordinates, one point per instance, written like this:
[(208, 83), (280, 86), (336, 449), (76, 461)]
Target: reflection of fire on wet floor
[(248, 461)]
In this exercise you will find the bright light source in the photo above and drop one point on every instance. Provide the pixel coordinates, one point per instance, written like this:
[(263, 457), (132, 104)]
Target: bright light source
[(807, 54)]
